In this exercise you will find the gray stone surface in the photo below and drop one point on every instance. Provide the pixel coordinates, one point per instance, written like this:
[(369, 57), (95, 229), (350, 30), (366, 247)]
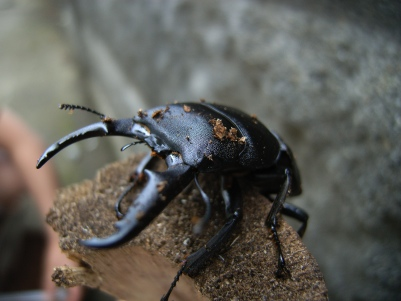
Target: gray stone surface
[(326, 76)]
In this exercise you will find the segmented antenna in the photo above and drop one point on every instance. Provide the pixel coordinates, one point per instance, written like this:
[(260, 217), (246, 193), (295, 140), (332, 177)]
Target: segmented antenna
[(67, 107), (174, 283)]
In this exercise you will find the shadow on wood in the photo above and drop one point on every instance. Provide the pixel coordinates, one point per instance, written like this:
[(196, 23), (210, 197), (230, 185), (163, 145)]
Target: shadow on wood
[(144, 268)]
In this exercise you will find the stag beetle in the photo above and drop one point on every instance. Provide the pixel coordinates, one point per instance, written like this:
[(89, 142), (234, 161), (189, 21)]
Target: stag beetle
[(196, 138)]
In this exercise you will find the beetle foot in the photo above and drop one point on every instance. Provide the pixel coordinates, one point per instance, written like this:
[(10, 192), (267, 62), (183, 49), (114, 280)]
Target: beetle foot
[(283, 273), (282, 270)]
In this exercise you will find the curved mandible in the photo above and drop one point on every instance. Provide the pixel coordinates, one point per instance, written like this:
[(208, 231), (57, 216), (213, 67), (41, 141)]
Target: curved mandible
[(160, 189), (93, 130), (108, 127)]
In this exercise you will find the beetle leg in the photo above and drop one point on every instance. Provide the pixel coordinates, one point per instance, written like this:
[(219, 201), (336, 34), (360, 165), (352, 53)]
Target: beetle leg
[(137, 175), (297, 213), (294, 212), (197, 260), (160, 189), (271, 222), (282, 271), (202, 222)]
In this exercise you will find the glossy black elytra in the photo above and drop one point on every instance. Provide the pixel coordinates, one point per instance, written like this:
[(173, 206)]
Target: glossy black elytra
[(197, 138)]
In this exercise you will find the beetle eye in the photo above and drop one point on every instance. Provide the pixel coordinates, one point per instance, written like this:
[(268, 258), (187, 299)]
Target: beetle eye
[(140, 131)]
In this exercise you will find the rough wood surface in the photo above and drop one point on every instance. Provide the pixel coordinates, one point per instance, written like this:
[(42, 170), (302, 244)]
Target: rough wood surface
[(144, 268)]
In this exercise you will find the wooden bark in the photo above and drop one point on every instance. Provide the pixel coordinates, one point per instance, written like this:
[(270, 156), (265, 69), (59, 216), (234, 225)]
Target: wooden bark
[(144, 268)]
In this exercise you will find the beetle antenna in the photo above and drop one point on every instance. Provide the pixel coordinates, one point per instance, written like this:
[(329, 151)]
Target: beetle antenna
[(70, 107), (174, 283)]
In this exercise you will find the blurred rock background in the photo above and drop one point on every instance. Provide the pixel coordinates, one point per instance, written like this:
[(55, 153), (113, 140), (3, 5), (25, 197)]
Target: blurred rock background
[(325, 75)]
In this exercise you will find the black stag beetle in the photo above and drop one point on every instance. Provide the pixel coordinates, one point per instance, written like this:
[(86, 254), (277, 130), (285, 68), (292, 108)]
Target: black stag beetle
[(197, 138)]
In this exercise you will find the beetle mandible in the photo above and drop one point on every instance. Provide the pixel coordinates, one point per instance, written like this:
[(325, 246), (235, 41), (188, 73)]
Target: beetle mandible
[(197, 138)]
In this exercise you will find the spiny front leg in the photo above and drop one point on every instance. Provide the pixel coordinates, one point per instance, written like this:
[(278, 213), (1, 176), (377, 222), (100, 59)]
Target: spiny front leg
[(137, 176)]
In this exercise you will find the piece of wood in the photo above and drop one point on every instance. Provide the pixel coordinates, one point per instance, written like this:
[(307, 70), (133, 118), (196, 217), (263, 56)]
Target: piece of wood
[(144, 268)]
